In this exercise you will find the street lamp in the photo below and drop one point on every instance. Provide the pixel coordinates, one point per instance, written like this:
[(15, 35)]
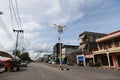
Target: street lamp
[(60, 30)]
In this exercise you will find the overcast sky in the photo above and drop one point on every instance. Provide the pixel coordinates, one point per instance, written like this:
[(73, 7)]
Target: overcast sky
[(38, 16)]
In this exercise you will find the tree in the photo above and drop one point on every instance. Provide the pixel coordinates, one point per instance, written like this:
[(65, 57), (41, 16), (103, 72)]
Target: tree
[(25, 56), (17, 53)]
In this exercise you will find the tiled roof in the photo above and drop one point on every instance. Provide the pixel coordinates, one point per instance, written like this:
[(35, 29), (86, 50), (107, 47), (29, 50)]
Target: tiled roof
[(92, 33), (109, 36), (114, 32)]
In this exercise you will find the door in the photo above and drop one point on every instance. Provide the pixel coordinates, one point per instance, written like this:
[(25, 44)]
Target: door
[(118, 59)]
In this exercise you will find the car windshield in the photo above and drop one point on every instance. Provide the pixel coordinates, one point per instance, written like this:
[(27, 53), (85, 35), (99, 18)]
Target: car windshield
[(60, 39)]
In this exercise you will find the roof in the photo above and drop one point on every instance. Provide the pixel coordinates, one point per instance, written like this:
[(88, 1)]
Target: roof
[(73, 46), (92, 33), (109, 36), (114, 32), (4, 54)]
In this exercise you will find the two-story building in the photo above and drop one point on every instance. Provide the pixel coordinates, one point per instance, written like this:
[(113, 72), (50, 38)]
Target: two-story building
[(56, 50), (67, 50), (87, 45), (108, 53)]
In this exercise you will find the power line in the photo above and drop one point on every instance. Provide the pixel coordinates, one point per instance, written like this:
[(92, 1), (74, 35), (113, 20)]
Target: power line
[(22, 35), (90, 12), (11, 13), (18, 13), (4, 27), (14, 13)]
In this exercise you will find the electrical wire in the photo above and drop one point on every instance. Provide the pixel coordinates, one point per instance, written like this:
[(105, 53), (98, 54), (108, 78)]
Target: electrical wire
[(15, 15), (86, 15), (14, 11), (22, 35), (4, 27), (11, 13), (18, 14)]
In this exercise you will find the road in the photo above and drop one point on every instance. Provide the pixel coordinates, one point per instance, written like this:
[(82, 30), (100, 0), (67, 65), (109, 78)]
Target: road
[(40, 71)]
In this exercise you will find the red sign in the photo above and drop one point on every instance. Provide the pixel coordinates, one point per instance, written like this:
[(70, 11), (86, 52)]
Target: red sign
[(89, 56)]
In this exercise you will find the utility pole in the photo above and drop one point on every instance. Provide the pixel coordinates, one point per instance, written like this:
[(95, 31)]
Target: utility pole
[(60, 30), (18, 31), (1, 12)]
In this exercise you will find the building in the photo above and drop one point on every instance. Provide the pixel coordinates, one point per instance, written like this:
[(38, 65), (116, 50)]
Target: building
[(87, 45), (72, 58), (67, 50), (108, 53), (56, 50)]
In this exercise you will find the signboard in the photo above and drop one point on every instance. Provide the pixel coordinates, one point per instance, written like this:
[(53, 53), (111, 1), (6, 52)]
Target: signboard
[(80, 58), (89, 56)]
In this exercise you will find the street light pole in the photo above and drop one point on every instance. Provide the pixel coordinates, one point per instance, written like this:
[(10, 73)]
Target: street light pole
[(60, 30)]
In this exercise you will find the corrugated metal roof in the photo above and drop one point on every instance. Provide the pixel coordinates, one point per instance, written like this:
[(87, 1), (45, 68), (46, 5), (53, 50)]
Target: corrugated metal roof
[(4, 54)]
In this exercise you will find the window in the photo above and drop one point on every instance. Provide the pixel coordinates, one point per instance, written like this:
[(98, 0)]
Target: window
[(116, 42), (91, 38), (110, 44), (105, 45), (100, 45)]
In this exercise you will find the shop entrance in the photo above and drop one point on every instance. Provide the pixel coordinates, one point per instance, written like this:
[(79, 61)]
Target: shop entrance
[(111, 60), (104, 60), (118, 59)]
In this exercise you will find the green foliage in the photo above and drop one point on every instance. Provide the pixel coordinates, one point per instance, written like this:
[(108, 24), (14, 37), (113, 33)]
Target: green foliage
[(17, 53), (25, 56)]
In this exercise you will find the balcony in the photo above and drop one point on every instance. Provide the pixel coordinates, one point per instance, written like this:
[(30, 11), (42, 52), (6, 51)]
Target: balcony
[(110, 50)]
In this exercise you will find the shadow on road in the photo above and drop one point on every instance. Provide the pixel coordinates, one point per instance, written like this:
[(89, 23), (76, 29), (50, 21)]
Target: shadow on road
[(23, 69)]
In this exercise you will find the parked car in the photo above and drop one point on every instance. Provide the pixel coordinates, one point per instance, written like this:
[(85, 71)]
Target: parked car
[(11, 65), (2, 67), (23, 64), (51, 62)]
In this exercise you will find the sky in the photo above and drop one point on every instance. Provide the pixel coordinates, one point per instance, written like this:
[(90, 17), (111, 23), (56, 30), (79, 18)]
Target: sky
[(38, 16)]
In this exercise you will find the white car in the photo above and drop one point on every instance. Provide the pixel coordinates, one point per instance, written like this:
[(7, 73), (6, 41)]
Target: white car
[(23, 64)]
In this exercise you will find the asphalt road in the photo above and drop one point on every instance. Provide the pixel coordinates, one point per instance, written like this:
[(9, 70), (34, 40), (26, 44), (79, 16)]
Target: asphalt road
[(40, 71)]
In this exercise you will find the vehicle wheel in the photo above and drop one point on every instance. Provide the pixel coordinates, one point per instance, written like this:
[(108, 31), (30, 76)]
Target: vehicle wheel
[(6, 69), (18, 68)]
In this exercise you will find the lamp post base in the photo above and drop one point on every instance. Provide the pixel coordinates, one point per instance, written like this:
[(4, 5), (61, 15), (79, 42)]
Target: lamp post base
[(60, 68)]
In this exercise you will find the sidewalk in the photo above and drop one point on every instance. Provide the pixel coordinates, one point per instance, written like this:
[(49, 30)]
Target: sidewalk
[(65, 66)]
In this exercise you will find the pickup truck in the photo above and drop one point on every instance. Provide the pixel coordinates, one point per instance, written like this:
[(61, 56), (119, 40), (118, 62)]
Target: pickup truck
[(11, 65)]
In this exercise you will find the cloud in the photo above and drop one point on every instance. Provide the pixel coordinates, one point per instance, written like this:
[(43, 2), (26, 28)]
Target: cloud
[(37, 15)]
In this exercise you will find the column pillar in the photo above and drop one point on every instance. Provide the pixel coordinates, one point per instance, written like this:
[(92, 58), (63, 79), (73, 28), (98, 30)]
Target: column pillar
[(93, 59), (108, 58)]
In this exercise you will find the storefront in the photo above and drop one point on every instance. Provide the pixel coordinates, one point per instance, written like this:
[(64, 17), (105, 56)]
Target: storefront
[(112, 60), (118, 59), (89, 59)]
